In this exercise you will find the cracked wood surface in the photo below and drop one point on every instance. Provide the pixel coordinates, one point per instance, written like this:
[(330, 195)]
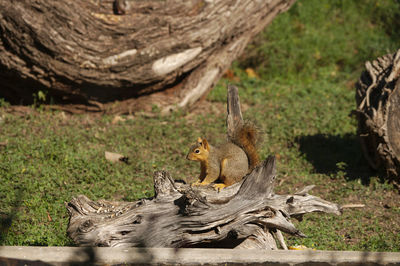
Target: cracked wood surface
[(378, 114), (182, 216)]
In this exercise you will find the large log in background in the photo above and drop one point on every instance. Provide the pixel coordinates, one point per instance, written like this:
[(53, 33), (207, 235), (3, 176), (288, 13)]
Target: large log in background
[(378, 114), (167, 53), (247, 214)]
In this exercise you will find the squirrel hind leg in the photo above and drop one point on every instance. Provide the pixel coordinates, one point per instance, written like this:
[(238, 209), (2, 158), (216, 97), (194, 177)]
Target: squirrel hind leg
[(195, 184), (205, 182)]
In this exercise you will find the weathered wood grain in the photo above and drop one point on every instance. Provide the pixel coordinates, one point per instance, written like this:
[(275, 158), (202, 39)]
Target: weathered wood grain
[(378, 114), (248, 216)]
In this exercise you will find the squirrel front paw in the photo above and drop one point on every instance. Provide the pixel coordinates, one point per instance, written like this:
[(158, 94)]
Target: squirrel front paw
[(219, 186)]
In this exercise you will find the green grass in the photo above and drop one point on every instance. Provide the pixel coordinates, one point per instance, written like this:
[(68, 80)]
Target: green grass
[(308, 60)]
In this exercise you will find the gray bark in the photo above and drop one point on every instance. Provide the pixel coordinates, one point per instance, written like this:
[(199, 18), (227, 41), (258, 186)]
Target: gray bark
[(243, 215)]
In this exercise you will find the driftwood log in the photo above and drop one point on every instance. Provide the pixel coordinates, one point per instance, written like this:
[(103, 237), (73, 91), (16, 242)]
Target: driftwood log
[(378, 114), (247, 214), (124, 55)]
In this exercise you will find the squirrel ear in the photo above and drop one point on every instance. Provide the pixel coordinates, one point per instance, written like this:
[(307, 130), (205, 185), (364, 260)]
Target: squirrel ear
[(199, 140), (205, 144)]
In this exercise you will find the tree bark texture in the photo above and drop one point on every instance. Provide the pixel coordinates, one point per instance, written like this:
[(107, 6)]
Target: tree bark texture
[(378, 114), (247, 214), (89, 58)]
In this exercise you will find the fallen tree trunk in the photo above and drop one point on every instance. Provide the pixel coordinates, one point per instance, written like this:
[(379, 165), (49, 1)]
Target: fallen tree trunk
[(116, 58), (378, 114), (245, 215)]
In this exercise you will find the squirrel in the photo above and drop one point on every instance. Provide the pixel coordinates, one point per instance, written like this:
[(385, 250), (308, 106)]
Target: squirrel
[(231, 161)]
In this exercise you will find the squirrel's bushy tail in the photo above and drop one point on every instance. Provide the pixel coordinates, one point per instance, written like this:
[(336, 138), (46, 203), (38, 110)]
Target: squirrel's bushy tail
[(247, 136)]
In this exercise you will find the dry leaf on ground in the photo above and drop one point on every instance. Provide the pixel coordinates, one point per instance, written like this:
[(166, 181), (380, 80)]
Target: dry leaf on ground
[(117, 119), (115, 157)]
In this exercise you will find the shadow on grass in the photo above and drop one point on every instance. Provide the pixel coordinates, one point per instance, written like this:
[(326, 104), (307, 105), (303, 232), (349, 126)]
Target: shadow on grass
[(6, 219), (330, 154)]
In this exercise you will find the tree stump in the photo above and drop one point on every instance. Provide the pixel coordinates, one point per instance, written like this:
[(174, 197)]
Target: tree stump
[(378, 114), (247, 214), (124, 55)]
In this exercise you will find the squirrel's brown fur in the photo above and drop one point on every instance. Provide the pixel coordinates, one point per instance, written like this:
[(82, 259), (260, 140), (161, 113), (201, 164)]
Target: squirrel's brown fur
[(229, 162)]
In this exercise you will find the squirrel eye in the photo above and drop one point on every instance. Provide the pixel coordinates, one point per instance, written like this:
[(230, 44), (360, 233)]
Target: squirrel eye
[(197, 151)]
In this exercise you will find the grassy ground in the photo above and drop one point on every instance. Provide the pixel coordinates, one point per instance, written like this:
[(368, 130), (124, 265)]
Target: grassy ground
[(307, 62)]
